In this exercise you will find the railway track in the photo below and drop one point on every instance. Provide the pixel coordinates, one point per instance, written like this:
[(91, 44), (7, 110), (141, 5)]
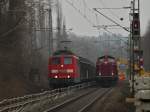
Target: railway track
[(81, 103), (20, 103)]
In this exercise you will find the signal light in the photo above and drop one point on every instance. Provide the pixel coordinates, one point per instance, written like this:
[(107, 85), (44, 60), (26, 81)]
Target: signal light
[(100, 74), (136, 28), (112, 74), (141, 62), (105, 62), (68, 76), (136, 25)]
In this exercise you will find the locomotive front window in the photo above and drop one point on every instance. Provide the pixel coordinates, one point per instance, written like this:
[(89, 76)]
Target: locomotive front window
[(56, 61), (67, 60)]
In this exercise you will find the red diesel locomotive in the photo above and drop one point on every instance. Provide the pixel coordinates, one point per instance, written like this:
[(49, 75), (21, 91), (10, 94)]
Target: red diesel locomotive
[(106, 70), (65, 68)]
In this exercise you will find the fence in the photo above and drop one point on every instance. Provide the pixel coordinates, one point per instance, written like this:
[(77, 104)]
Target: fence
[(21, 102)]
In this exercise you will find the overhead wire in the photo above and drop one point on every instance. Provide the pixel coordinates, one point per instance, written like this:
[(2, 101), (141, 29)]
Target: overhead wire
[(110, 11), (108, 18), (83, 14), (115, 35), (87, 19), (79, 11), (112, 20), (109, 31)]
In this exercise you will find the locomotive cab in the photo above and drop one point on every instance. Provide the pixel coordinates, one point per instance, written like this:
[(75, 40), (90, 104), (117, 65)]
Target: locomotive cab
[(106, 69), (66, 68), (63, 69)]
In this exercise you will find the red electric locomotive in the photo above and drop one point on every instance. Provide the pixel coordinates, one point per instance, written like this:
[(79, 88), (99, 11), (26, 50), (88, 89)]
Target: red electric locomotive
[(65, 68), (106, 70)]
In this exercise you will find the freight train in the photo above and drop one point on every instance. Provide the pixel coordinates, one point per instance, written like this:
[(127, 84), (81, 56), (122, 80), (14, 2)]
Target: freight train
[(66, 68), (106, 70)]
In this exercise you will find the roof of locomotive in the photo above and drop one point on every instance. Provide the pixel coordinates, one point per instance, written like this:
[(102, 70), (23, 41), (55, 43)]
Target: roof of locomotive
[(63, 52), (70, 53), (106, 56)]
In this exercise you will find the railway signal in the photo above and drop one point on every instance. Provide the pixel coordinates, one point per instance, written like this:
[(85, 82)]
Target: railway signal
[(141, 62), (136, 26), (135, 43)]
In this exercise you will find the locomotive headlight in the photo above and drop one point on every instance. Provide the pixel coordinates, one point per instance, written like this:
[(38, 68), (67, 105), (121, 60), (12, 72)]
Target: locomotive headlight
[(55, 76), (106, 62), (69, 70), (100, 74), (112, 73), (54, 71), (68, 76)]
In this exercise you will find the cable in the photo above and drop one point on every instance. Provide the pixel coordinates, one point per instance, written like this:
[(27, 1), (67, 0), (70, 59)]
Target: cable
[(111, 12), (79, 11), (111, 20), (115, 35), (85, 17)]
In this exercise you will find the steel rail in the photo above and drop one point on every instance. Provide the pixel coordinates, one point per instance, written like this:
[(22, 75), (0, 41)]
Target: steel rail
[(90, 104), (71, 101), (20, 102), (58, 107)]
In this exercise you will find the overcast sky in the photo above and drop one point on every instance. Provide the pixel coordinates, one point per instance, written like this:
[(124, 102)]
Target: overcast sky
[(82, 27)]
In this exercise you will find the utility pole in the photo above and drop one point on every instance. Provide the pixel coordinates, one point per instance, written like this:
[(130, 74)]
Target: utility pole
[(132, 47), (59, 25), (50, 39), (135, 41), (33, 25)]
